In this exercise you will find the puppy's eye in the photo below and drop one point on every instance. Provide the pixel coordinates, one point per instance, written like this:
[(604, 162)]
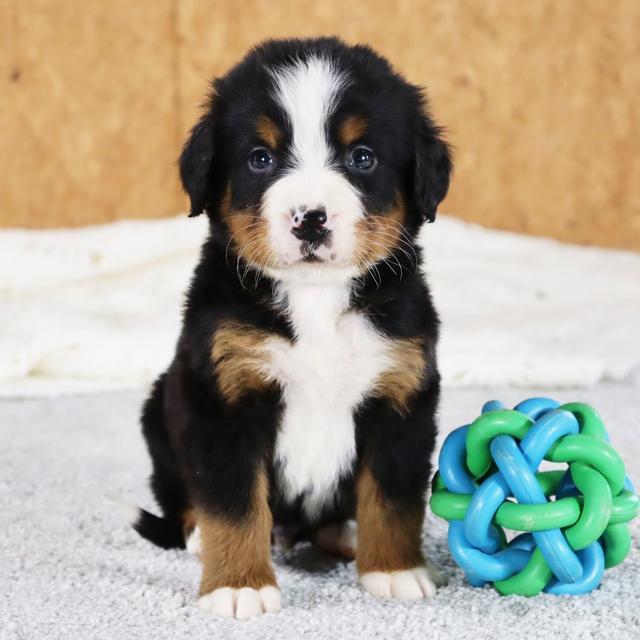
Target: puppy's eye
[(260, 160), (362, 159)]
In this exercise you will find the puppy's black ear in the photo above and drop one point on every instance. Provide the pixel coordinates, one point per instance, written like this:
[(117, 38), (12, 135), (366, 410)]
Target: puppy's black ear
[(195, 164), (432, 168)]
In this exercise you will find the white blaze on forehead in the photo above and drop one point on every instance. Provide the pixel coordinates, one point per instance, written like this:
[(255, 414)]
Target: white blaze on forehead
[(308, 91)]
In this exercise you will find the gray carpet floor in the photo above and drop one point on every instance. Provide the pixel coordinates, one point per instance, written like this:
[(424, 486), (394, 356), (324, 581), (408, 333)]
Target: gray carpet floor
[(71, 568)]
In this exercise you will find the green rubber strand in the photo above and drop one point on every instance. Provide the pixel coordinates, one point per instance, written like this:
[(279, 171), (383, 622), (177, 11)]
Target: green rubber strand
[(437, 484), (530, 581), (450, 506), (487, 427), (625, 508), (596, 506), (597, 453), (588, 419), (539, 517), (617, 544)]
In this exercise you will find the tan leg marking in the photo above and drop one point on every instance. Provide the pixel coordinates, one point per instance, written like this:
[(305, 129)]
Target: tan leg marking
[(238, 554), (237, 575), (388, 539), (389, 557), (188, 522)]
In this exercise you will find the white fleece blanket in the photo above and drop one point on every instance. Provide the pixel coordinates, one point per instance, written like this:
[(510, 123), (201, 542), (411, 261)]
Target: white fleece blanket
[(99, 307)]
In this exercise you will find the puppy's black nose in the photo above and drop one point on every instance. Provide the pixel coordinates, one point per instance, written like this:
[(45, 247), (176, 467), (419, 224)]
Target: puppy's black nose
[(310, 226), (316, 217)]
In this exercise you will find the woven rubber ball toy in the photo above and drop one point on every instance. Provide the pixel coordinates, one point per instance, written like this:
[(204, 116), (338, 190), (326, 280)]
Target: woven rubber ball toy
[(572, 521)]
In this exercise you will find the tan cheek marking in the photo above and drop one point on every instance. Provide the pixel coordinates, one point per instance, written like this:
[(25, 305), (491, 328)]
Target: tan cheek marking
[(238, 554), (405, 375), (379, 235), (249, 233), (389, 539), (240, 358), (352, 129), (269, 132)]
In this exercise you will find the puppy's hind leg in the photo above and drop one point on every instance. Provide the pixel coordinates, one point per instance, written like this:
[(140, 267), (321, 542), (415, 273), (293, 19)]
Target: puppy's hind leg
[(166, 481), (337, 538)]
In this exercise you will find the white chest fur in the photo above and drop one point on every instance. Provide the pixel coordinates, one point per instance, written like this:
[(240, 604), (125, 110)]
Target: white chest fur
[(325, 374)]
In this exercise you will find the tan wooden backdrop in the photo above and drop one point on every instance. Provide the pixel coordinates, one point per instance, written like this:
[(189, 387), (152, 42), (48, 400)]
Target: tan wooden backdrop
[(541, 100)]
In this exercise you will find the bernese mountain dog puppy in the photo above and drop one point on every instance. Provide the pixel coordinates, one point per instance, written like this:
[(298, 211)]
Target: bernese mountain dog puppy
[(301, 400)]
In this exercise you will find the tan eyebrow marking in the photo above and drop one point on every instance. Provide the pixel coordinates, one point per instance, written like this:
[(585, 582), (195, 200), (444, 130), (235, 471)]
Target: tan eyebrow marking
[(269, 132), (352, 129)]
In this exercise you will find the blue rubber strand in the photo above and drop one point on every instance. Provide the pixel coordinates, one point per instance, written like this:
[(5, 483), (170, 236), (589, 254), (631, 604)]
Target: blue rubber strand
[(562, 560)]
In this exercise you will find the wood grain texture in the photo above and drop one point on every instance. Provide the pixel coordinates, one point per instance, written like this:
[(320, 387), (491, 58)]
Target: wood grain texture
[(540, 100), (87, 112)]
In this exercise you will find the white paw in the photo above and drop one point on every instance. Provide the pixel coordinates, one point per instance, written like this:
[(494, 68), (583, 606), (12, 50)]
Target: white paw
[(241, 604), (339, 538), (194, 542), (411, 584)]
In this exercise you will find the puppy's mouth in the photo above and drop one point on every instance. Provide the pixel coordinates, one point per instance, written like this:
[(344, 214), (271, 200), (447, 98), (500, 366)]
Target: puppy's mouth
[(312, 258), (315, 246), (309, 251)]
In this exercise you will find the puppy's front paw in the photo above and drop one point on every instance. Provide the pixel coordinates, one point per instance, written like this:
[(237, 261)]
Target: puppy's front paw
[(410, 584), (241, 604)]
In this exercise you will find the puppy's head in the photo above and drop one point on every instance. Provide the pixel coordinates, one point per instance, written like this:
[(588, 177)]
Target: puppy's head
[(314, 156)]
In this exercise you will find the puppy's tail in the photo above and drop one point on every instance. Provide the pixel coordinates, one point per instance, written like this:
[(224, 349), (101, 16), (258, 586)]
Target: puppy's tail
[(163, 532)]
